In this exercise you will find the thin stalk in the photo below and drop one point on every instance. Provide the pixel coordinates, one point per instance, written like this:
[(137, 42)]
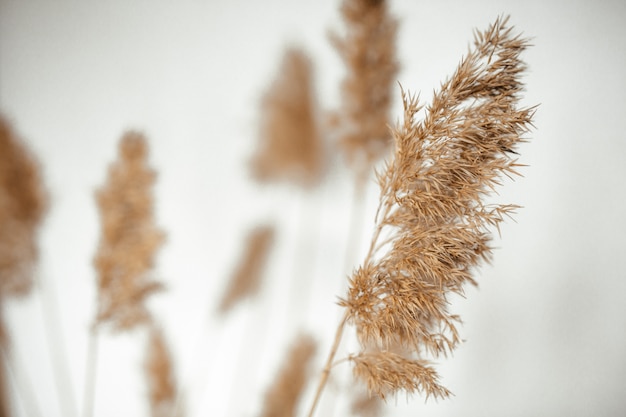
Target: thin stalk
[(303, 267), (57, 351), (91, 374), (23, 387), (329, 364), (356, 221)]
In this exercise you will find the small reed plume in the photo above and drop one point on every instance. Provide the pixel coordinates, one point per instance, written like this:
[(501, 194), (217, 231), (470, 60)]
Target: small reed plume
[(290, 147), (246, 279), (129, 238), (364, 404), (23, 203), (368, 51), (432, 225), (282, 398), (160, 375), (126, 252)]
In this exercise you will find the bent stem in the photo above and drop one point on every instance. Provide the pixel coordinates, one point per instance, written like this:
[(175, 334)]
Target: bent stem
[(329, 365)]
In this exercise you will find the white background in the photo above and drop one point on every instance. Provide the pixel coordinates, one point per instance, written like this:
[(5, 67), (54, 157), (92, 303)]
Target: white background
[(546, 330)]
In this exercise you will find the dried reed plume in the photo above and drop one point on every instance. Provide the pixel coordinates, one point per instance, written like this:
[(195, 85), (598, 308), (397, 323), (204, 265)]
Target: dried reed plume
[(282, 398), (246, 279), (160, 375), (365, 404), (23, 202), (129, 237), (368, 52), (432, 226), (290, 146)]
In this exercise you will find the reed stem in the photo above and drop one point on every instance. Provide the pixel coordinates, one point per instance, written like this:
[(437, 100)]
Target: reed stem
[(91, 374), (329, 364)]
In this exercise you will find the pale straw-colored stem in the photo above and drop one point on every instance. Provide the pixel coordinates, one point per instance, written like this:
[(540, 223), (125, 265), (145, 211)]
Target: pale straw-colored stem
[(52, 324), (328, 366), (90, 376), (23, 386), (356, 224)]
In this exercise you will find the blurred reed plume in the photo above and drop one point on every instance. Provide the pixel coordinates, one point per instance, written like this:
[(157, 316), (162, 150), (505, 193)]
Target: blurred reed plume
[(161, 380), (366, 405), (368, 51), (126, 252), (281, 400), (129, 237), (432, 225), (23, 203), (290, 147), (246, 279)]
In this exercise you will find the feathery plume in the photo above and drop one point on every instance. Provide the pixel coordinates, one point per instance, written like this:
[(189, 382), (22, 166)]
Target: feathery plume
[(23, 203), (282, 398), (432, 211), (369, 54), (290, 146), (366, 405), (129, 237), (160, 375), (246, 279), (432, 225)]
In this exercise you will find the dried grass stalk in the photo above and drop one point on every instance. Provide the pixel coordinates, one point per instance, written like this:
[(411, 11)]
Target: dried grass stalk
[(290, 147), (282, 398), (160, 375), (432, 227), (246, 280), (129, 237), (368, 51), (23, 203)]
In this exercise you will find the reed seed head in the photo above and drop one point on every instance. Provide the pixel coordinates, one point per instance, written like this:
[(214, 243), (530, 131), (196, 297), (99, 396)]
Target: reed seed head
[(246, 279), (23, 203), (282, 398), (432, 226), (368, 51), (159, 370), (129, 237), (290, 145)]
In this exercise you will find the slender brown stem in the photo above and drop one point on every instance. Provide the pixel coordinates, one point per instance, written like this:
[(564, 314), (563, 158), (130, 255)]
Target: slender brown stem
[(329, 364)]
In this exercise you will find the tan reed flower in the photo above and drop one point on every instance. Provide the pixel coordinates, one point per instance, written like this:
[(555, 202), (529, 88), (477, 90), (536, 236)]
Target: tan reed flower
[(290, 147), (432, 226), (365, 404), (369, 53), (282, 398), (129, 237), (246, 279), (160, 375), (23, 203)]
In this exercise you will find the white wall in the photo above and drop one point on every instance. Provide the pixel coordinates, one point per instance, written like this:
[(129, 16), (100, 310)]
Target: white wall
[(546, 330)]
